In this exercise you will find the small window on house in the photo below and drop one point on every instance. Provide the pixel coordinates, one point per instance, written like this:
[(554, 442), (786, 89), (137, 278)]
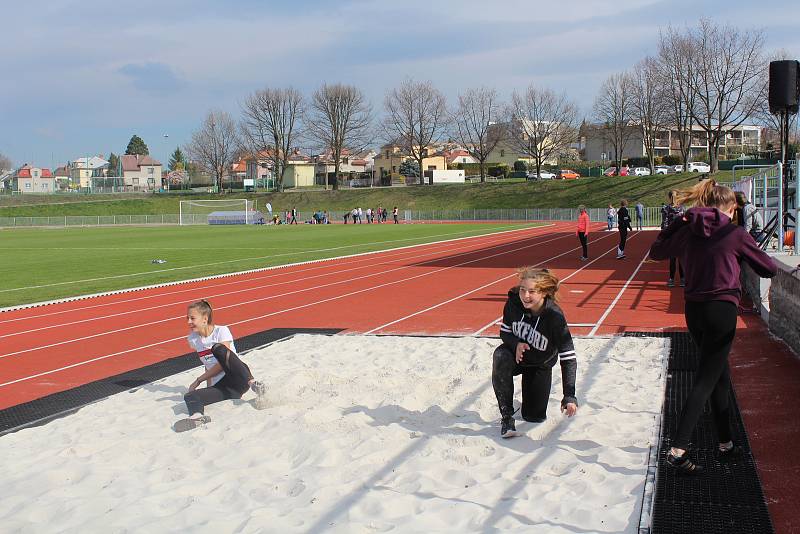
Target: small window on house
[(150, 170), (502, 153), (35, 174), (44, 187), (431, 167), (394, 169), (27, 185), (135, 181)]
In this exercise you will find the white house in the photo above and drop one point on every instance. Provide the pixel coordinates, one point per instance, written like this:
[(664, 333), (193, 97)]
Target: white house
[(141, 173)]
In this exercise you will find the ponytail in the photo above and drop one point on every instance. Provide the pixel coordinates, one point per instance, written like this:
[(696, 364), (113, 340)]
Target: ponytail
[(707, 194)]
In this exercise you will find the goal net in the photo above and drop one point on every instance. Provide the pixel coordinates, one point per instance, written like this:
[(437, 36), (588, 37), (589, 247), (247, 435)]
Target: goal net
[(232, 211)]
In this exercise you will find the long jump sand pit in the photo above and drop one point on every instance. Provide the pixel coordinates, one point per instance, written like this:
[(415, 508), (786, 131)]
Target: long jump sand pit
[(361, 434)]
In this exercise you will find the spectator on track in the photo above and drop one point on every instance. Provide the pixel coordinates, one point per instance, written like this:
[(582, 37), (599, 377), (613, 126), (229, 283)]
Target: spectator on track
[(394, 214), (639, 215), (583, 231), (226, 376), (610, 214), (535, 336), (294, 216), (711, 250), (624, 224), (669, 213)]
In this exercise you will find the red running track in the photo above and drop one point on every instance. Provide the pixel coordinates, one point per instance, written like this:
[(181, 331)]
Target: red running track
[(453, 287)]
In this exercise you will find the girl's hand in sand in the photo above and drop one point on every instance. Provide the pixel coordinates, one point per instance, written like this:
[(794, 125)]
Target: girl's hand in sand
[(521, 348), (193, 385), (570, 409)]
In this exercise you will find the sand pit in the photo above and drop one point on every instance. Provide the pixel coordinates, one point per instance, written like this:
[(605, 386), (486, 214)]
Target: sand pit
[(362, 434)]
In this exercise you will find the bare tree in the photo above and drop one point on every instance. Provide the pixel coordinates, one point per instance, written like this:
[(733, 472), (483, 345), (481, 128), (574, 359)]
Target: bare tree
[(676, 53), (730, 78), (416, 117), (270, 125), (5, 162), (541, 124), (214, 145), (473, 124), (339, 117), (650, 104), (614, 109)]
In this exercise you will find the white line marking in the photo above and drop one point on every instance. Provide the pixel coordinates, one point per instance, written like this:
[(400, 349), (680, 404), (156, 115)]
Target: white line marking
[(619, 295)]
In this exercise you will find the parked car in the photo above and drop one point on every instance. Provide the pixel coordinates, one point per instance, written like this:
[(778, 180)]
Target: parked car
[(678, 168), (624, 171), (698, 166), (544, 175), (662, 169), (641, 171), (611, 171), (567, 174)]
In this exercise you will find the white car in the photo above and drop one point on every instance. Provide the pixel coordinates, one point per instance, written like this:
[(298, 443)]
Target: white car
[(641, 171), (662, 169), (698, 166), (678, 168), (544, 175)]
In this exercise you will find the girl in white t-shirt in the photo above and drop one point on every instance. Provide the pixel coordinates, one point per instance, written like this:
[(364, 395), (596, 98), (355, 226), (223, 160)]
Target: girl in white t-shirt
[(226, 376)]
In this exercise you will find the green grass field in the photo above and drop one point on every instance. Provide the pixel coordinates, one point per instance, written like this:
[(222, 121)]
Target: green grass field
[(46, 264)]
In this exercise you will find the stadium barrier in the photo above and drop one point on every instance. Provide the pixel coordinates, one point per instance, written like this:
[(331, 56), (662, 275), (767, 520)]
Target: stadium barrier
[(652, 217)]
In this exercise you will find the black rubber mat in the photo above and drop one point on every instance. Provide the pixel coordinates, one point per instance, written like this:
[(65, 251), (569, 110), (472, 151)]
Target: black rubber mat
[(45, 409), (725, 498)]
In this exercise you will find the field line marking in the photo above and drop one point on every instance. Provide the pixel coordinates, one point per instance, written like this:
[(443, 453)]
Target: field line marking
[(248, 271), (474, 290), (619, 295), (245, 290), (65, 342)]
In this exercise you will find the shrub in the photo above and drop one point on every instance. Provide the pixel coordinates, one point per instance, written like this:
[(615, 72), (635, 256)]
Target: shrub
[(671, 159), (519, 166), (638, 162), (498, 171)]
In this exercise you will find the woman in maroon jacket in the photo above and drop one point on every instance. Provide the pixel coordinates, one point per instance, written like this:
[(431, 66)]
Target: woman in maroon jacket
[(709, 248)]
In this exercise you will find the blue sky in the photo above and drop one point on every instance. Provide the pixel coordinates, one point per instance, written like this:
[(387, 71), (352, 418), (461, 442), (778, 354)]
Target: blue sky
[(80, 77)]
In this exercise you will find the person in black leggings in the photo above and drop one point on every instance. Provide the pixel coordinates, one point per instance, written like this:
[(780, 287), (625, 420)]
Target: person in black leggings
[(710, 249), (233, 385), (624, 224)]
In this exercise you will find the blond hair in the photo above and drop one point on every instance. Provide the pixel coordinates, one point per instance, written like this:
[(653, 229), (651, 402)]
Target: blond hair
[(203, 307), (544, 281), (707, 194)]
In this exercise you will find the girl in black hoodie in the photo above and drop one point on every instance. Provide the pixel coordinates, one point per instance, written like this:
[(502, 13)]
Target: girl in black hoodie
[(535, 336), (710, 249)]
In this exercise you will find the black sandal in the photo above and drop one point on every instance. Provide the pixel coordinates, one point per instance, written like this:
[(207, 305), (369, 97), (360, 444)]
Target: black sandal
[(683, 464)]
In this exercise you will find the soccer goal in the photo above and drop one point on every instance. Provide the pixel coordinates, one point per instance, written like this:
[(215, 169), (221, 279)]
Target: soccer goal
[(232, 211)]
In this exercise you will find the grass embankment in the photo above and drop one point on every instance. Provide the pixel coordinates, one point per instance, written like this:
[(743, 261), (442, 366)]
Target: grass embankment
[(593, 192), (45, 264)]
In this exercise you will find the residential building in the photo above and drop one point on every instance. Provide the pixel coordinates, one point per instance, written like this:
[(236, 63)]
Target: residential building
[(31, 179), (458, 156), (744, 139), (140, 173), (62, 177), (387, 163), (82, 170)]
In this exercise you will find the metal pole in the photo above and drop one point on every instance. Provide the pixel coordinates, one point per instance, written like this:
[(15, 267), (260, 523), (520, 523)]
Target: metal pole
[(780, 207)]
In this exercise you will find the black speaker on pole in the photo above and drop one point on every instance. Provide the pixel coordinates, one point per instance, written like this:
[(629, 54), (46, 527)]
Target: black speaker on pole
[(784, 86)]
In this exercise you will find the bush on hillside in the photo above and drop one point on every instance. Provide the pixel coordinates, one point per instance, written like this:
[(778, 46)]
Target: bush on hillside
[(519, 166), (671, 159), (499, 171)]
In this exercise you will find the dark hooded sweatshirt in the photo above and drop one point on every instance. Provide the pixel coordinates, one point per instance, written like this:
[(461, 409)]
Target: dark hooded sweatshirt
[(710, 249), (546, 333)]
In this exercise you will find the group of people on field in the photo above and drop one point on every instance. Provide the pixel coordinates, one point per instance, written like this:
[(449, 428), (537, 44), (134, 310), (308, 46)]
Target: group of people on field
[(370, 216), (705, 244)]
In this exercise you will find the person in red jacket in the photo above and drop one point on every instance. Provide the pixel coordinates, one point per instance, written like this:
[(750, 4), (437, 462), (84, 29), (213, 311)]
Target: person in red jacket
[(711, 250), (583, 231)]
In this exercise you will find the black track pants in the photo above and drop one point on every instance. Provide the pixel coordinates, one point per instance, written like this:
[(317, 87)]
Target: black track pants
[(536, 383), (713, 327), (623, 238), (231, 386), (673, 264), (584, 243)]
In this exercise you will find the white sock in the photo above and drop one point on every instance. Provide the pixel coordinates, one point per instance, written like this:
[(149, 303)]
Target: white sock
[(724, 447)]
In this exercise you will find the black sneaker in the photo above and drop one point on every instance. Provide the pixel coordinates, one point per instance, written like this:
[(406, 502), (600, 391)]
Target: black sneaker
[(733, 454), (507, 428), (670, 283), (683, 464)]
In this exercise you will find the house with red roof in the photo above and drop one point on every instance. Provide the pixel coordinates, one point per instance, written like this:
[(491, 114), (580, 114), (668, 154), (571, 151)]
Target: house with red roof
[(141, 173), (31, 179)]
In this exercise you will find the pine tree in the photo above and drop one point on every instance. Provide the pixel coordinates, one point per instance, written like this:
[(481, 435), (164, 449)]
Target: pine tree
[(177, 162), (113, 164), (137, 146)]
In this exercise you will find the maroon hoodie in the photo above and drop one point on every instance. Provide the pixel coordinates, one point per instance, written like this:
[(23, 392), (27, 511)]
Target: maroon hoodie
[(710, 249)]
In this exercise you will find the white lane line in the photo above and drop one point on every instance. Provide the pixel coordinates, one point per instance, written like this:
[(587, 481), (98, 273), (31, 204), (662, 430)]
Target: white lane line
[(143, 273), (402, 252), (250, 289), (65, 342), (619, 295), (284, 310), (584, 266), (473, 291)]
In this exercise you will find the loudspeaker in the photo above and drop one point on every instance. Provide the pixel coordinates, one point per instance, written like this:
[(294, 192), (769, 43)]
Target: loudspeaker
[(784, 86)]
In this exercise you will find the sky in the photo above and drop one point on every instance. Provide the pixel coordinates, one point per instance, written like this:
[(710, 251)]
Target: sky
[(80, 77)]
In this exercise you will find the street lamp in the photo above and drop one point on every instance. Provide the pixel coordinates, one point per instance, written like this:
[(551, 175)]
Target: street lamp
[(166, 136)]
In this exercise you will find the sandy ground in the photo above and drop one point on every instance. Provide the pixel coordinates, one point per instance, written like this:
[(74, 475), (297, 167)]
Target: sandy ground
[(361, 434)]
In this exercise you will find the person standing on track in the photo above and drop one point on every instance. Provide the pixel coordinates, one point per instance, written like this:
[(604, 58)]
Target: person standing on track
[(639, 215), (535, 336), (394, 214), (711, 250), (669, 213), (610, 214), (583, 231), (226, 376), (294, 216), (624, 224)]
